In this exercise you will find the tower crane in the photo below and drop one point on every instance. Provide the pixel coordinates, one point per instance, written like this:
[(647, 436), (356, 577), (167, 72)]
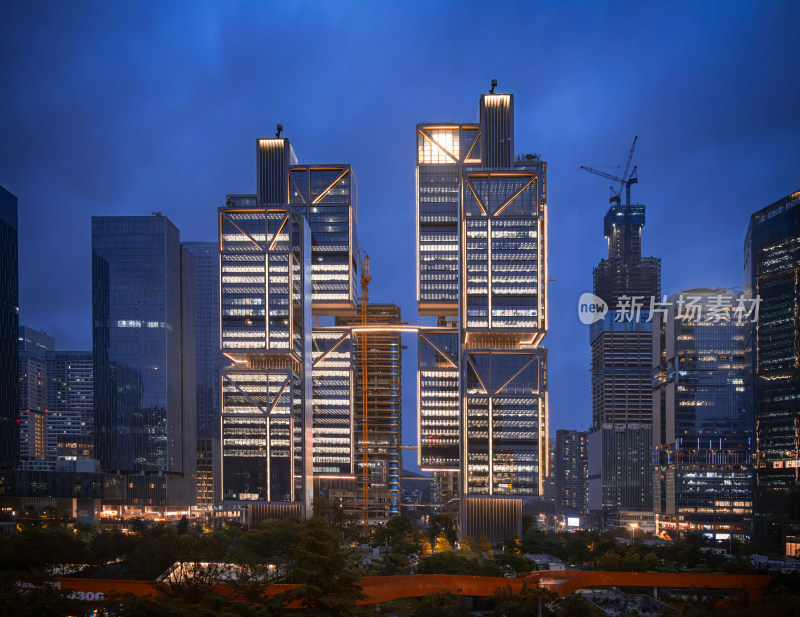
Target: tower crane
[(365, 475), (625, 181)]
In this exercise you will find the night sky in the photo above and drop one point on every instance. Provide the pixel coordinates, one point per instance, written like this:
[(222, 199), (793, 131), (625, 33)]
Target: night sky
[(126, 108)]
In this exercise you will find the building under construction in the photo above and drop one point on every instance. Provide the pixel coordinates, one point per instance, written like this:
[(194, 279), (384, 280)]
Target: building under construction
[(382, 418), (622, 394)]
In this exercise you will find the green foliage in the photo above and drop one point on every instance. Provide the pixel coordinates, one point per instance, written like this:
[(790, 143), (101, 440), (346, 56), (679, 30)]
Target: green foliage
[(485, 546), (444, 604), (447, 563), (509, 603), (329, 586)]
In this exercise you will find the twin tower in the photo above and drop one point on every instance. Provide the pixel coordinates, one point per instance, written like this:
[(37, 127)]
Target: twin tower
[(290, 253)]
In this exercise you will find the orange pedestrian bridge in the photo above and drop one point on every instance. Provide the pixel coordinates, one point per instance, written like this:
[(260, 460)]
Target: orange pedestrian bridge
[(380, 589)]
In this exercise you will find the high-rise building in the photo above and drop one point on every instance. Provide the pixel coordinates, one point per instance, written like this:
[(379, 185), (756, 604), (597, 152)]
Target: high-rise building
[(702, 478), (482, 270), (208, 358), (144, 358), (772, 267), (382, 421), (620, 440), (209, 362), (265, 281), (70, 405), (571, 471), (9, 331), (33, 348)]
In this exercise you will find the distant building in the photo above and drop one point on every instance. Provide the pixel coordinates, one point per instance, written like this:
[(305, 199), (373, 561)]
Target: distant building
[(571, 471), (620, 440), (209, 363), (70, 405), (144, 358), (9, 331), (702, 435), (33, 348), (772, 268)]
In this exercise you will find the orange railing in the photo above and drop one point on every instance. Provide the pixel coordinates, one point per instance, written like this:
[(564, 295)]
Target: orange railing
[(385, 588)]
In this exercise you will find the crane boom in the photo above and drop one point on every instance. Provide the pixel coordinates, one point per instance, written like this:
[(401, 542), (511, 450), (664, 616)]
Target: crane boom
[(603, 174)]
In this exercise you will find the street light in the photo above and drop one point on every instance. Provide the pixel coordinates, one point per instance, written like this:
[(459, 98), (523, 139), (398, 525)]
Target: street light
[(633, 529)]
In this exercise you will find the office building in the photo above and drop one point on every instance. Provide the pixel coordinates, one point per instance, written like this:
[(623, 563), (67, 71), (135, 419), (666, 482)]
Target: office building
[(265, 282), (571, 471), (33, 348), (144, 358), (702, 475), (70, 405), (208, 358), (771, 258), (482, 270), (326, 196), (620, 440), (9, 331), (209, 362)]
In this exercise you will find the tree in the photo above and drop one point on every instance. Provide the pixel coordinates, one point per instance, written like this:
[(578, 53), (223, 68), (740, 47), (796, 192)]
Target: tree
[(425, 547), (486, 547), (509, 603), (467, 544), (512, 545), (443, 544), (329, 586), (609, 561), (442, 524), (448, 563), (444, 604)]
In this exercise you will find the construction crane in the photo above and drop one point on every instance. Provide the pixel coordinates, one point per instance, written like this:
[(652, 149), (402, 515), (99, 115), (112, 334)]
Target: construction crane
[(625, 181), (365, 476)]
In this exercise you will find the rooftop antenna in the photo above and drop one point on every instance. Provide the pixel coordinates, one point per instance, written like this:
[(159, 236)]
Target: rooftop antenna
[(494, 85), (278, 131)]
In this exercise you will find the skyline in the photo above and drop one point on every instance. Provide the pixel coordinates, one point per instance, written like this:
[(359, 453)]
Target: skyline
[(202, 128)]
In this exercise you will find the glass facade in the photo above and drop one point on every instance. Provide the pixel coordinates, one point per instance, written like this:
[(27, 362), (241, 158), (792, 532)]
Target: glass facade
[(702, 475), (265, 332), (772, 255), (326, 196), (9, 330), (33, 348), (482, 258), (571, 471), (333, 376), (70, 405), (209, 360), (144, 357)]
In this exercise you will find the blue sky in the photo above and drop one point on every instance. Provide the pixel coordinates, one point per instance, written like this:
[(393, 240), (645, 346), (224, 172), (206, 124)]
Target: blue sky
[(125, 108)]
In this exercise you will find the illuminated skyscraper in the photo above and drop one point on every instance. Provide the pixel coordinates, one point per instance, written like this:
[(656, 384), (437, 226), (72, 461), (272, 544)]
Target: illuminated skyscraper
[(772, 270), (33, 348), (620, 440), (265, 328), (702, 479), (9, 330), (482, 270), (70, 396), (571, 473)]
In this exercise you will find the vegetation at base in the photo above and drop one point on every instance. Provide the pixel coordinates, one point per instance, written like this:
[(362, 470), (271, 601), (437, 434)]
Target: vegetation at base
[(327, 555)]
